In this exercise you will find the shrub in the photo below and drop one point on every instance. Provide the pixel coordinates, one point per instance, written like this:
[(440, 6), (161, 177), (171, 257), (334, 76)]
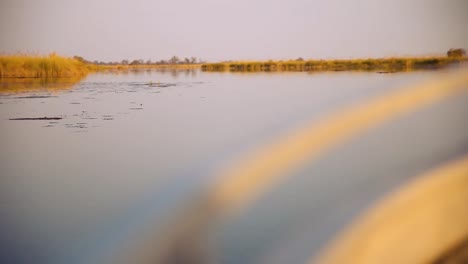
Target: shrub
[(456, 53)]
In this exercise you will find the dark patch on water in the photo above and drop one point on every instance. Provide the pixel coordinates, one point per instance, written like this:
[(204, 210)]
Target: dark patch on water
[(385, 72), (161, 85), (33, 97), (36, 118), (153, 84), (75, 126)]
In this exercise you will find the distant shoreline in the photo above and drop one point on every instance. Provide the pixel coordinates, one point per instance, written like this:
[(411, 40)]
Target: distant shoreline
[(383, 65), (122, 67), (54, 66)]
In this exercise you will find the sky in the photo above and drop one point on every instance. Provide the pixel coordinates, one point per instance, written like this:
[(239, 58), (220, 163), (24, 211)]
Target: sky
[(217, 30)]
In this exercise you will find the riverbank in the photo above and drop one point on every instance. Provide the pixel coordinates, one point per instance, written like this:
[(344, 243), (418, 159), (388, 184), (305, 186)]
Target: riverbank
[(378, 65), (125, 68), (52, 66), (55, 66)]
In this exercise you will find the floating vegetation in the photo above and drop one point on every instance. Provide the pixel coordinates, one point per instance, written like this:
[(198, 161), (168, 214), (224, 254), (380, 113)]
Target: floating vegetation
[(382, 65)]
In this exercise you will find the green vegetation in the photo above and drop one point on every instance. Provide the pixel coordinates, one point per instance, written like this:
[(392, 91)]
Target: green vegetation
[(52, 66), (456, 53), (380, 65)]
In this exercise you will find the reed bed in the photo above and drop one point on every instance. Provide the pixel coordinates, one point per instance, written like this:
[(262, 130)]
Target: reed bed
[(32, 66), (378, 65)]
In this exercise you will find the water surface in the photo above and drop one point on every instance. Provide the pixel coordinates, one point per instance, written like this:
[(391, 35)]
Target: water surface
[(126, 144)]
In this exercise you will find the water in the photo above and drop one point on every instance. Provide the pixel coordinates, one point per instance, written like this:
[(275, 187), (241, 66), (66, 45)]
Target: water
[(130, 146)]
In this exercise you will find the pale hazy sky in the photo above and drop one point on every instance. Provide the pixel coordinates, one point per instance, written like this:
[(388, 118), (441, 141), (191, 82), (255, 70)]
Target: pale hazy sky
[(233, 29)]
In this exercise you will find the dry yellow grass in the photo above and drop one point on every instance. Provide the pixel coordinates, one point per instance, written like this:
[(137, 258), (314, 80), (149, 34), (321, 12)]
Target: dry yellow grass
[(54, 66), (32, 66), (381, 64)]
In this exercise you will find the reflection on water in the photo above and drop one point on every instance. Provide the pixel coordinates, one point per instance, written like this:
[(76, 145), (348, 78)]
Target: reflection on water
[(83, 103), (24, 85), (174, 72), (130, 146)]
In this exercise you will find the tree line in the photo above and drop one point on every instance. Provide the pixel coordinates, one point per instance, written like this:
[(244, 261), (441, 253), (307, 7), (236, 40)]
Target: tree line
[(174, 60)]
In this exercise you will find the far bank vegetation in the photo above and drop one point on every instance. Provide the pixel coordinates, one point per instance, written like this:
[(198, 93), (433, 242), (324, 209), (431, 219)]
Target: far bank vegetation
[(384, 65), (456, 53), (454, 57), (55, 66), (172, 62)]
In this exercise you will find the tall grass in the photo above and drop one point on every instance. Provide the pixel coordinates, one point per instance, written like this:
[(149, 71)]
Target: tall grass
[(33, 66), (383, 64)]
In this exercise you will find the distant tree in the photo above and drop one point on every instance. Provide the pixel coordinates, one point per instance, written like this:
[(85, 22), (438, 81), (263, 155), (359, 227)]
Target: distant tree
[(456, 53), (193, 60), (187, 61), (149, 62), (80, 59), (174, 60), (300, 59), (124, 62), (137, 62)]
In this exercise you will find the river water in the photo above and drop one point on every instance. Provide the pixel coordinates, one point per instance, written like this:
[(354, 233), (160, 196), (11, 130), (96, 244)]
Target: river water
[(134, 144)]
